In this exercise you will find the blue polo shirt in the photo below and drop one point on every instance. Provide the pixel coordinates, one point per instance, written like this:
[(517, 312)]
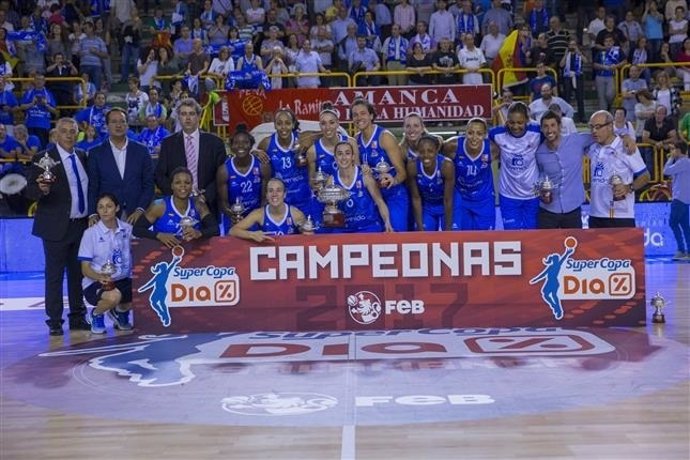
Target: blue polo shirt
[(563, 166)]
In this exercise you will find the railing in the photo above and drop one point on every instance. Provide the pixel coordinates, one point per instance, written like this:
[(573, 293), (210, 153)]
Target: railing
[(81, 105)]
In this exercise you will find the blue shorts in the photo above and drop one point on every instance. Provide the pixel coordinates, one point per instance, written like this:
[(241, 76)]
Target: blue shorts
[(398, 201), (479, 215), (519, 214)]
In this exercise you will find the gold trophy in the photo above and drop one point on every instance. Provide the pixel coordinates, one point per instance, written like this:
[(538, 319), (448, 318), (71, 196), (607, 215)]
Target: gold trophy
[(108, 269), (331, 195), (545, 189), (614, 181), (236, 211), (46, 163), (658, 303)]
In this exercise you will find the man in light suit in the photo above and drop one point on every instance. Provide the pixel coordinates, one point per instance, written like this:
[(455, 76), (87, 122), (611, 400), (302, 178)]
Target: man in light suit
[(60, 221), (122, 167), (202, 153)]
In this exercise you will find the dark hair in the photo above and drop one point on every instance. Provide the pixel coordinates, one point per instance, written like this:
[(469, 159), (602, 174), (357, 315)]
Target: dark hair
[(115, 110), (519, 107), (110, 196), (180, 170), (429, 138), (616, 109), (339, 143), (367, 104), (682, 146), (241, 130), (550, 115), (295, 121), (327, 107)]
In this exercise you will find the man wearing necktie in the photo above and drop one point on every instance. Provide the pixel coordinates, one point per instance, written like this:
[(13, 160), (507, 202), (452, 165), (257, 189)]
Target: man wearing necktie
[(202, 153), (60, 221)]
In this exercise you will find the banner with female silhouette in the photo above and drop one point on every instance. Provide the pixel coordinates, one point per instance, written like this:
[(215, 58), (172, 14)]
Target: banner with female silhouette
[(555, 278)]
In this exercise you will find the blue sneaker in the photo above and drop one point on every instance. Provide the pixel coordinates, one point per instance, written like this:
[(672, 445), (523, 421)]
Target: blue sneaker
[(120, 319), (97, 323)]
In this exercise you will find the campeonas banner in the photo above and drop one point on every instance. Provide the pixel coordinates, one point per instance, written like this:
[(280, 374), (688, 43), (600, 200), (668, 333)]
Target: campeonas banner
[(509, 57), (393, 281), (393, 103)]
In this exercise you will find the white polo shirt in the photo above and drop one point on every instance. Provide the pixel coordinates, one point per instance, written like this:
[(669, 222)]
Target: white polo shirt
[(100, 243), (606, 161)]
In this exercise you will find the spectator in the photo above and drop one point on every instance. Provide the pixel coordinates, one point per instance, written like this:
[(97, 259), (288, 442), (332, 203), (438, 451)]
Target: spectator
[(678, 167), (218, 32), (147, 66), (347, 46), (168, 65), (90, 140), (131, 41), (491, 43), (256, 15), (683, 56), (135, 100), (572, 65), (28, 143), (8, 107), (182, 47), (677, 31), (222, 7), (276, 67), (92, 50), (538, 19), (197, 66), (291, 53), (428, 44), (9, 148), (32, 58), (420, 63), (611, 30), (629, 89), (500, 110), (658, 131), (341, 25), (56, 42), (632, 31), (94, 115), (538, 52), (667, 95), (557, 40), (198, 31), (670, 8), (371, 31), (298, 24), (644, 110), (219, 69), (446, 61), (357, 11), (179, 16), (309, 61), (84, 92), (364, 59), (442, 23), (245, 31), (466, 21), (539, 106), (39, 106), (404, 15), (159, 28), (472, 59), (121, 11), (208, 16), (152, 135), (382, 14), (272, 21), (249, 61), (639, 57), (621, 125), (153, 107), (605, 67), (324, 46), (653, 23), (104, 34), (596, 25), (540, 80), (567, 123), (498, 15), (270, 43), (394, 56)]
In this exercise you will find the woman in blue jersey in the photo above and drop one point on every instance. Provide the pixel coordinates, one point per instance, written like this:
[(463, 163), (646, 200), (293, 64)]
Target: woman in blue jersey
[(413, 130), (516, 145), (365, 211), (283, 149), (164, 215), (431, 179), (378, 146), (242, 178), (471, 155), (276, 218)]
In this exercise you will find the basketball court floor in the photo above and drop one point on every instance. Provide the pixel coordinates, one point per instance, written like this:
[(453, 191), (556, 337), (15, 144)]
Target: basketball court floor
[(481, 393)]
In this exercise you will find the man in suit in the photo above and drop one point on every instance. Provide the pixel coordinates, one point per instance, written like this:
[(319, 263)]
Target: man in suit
[(60, 221), (202, 153), (122, 167)]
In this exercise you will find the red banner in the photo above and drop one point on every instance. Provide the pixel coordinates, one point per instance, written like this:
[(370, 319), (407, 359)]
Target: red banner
[(393, 103), (565, 278)]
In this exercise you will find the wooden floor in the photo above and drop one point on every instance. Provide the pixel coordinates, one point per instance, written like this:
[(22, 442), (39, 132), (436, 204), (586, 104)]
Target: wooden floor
[(654, 425)]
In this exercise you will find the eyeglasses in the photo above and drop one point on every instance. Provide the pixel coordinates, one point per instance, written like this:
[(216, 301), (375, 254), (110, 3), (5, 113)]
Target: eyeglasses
[(599, 126)]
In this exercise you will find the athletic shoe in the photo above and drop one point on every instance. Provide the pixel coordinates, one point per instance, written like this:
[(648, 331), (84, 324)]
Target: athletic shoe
[(97, 323), (120, 319)]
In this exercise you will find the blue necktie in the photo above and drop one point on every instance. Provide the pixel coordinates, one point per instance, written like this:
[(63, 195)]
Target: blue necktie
[(81, 202)]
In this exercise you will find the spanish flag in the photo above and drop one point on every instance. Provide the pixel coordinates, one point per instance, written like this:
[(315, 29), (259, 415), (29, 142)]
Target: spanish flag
[(508, 57)]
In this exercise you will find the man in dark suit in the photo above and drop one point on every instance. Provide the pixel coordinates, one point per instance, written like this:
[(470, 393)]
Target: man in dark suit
[(60, 221), (122, 167), (202, 153)]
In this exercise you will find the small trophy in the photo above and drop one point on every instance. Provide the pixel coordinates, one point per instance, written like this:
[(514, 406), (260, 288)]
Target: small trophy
[(545, 189), (331, 195), (186, 223), (236, 211), (614, 181), (308, 226), (108, 269), (300, 155), (658, 303), (46, 163), (320, 179), (196, 193), (382, 167)]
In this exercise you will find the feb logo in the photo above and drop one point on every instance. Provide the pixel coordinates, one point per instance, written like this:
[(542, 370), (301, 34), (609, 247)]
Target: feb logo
[(278, 404), (364, 307), (174, 286), (566, 278)]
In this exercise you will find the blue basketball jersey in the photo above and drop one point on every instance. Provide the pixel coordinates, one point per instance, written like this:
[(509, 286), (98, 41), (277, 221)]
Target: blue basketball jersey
[(431, 187), (169, 222), (245, 186), (361, 213), (284, 166), (285, 226), (473, 177)]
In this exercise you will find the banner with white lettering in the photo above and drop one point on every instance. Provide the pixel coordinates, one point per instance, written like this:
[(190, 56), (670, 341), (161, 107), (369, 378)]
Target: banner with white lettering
[(410, 280), (393, 103)]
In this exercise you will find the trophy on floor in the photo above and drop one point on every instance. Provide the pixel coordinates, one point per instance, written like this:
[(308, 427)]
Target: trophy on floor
[(108, 269), (236, 211), (331, 195), (545, 190), (46, 163), (658, 303), (616, 180)]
